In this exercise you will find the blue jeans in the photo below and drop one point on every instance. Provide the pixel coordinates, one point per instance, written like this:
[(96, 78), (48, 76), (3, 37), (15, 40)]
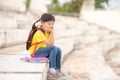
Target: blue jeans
[(54, 55)]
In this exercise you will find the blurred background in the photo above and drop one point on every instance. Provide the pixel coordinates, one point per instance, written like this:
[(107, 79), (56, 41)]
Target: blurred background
[(17, 16), (89, 29)]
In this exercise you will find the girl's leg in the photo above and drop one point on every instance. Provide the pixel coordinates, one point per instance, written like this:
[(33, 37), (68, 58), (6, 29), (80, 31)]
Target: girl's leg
[(50, 51), (43, 52), (52, 57), (58, 58)]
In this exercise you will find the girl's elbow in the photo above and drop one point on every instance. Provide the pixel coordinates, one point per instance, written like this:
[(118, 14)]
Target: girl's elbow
[(52, 44)]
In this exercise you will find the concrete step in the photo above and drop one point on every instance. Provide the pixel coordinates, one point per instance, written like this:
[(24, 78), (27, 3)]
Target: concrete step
[(96, 65), (11, 64), (66, 45), (10, 37), (19, 76), (13, 50), (7, 23)]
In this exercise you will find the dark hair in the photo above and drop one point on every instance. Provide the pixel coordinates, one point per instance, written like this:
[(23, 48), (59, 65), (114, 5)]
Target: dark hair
[(44, 18), (47, 17)]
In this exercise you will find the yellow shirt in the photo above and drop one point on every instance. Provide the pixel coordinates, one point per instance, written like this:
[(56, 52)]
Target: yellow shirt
[(39, 36)]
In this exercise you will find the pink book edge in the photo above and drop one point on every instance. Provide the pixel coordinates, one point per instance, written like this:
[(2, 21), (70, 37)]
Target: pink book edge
[(37, 58)]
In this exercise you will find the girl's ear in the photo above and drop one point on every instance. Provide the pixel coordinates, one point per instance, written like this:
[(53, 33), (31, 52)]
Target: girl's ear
[(42, 22)]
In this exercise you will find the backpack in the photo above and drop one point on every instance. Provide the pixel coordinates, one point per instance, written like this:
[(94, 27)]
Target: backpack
[(29, 40)]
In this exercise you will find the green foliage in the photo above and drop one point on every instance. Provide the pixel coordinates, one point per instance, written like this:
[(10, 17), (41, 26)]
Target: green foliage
[(98, 3), (54, 1), (79, 4), (68, 6), (27, 4)]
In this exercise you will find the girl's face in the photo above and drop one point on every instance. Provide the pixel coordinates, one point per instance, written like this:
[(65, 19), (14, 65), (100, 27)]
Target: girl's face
[(48, 26)]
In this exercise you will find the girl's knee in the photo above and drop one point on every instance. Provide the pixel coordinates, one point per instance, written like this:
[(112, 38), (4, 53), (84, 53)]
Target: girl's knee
[(54, 47), (57, 49)]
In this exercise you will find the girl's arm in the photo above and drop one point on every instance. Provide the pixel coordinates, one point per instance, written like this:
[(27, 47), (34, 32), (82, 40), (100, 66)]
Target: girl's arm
[(52, 38), (51, 41)]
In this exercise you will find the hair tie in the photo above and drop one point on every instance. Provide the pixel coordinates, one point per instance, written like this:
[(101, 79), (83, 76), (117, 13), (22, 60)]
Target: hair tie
[(38, 24)]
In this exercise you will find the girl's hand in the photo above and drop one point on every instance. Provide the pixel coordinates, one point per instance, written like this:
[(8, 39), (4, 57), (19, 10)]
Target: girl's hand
[(51, 32)]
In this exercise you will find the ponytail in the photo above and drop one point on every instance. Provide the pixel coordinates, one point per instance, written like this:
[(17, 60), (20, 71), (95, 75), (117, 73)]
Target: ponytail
[(34, 26)]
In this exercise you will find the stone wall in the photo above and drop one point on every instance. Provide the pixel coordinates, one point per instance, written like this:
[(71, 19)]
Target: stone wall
[(88, 5), (38, 6), (17, 5), (14, 28), (12, 37)]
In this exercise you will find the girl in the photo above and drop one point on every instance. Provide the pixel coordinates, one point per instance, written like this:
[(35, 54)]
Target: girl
[(46, 48)]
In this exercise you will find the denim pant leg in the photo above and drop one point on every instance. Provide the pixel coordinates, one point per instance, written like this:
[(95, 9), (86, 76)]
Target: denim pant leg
[(51, 52), (58, 59), (43, 52)]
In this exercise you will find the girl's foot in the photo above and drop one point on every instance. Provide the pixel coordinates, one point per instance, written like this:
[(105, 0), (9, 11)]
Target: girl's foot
[(52, 72), (58, 70), (60, 73)]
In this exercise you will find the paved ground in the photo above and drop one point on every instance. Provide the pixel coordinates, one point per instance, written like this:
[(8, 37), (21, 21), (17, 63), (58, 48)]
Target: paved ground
[(13, 50), (95, 64), (76, 64)]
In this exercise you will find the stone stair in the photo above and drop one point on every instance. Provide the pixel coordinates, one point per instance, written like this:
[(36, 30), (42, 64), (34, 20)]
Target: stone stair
[(11, 63), (95, 42)]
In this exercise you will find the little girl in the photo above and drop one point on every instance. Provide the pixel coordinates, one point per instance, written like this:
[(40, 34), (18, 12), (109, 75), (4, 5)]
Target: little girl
[(46, 47)]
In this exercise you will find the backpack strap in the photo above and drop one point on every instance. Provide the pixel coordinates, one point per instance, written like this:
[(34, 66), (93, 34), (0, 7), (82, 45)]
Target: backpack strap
[(30, 35), (35, 46)]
